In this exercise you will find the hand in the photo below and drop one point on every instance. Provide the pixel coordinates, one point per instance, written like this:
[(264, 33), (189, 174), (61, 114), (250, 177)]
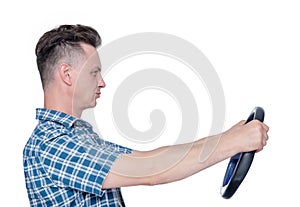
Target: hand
[(248, 137)]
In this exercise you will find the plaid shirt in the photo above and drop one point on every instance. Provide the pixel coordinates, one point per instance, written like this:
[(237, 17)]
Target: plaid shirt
[(65, 163)]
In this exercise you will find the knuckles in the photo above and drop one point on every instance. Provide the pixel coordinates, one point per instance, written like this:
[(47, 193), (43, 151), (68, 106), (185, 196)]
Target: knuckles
[(258, 134)]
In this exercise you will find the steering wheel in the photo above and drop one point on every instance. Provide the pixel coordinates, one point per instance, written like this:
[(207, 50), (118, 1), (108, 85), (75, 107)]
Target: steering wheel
[(240, 163)]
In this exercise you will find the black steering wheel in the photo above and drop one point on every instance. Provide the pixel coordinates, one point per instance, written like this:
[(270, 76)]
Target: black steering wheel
[(240, 163)]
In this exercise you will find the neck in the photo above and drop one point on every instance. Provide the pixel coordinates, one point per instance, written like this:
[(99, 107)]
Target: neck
[(60, 101)]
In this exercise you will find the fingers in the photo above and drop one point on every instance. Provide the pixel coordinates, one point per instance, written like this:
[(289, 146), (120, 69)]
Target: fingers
[(263, 135), (257, 134), (266, 128)]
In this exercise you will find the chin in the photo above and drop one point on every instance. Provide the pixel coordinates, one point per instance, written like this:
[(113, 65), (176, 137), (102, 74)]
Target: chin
[(91, 106), (94, 104)]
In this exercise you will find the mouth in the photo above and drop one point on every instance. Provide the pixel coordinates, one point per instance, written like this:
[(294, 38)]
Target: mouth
[(98, 94)]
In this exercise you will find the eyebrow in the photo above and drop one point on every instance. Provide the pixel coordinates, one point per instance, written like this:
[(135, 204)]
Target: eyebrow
[(98, 68)]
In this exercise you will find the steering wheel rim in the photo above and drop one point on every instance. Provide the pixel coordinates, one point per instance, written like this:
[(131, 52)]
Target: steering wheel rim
[(240, 163)]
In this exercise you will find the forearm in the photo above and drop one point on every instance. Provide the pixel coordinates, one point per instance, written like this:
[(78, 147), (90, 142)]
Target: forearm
[(171, 163), (189, 159)]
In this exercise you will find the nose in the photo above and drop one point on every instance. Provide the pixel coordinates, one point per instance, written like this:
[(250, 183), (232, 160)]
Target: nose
[(101, 83)]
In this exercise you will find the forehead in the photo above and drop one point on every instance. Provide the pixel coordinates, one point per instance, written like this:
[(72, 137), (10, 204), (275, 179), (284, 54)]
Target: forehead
[(92, 57)]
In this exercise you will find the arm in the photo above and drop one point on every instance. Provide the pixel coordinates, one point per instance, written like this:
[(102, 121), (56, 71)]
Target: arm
[(172, 163)]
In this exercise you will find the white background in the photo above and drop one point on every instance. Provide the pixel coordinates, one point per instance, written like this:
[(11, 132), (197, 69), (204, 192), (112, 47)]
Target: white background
[(253, 45)]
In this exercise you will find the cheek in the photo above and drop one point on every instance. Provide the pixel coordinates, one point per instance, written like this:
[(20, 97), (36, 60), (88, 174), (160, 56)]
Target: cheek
[(87, 89), (83, 81), (86, 84)]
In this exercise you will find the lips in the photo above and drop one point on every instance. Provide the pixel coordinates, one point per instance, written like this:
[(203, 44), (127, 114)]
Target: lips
[(98, 94)]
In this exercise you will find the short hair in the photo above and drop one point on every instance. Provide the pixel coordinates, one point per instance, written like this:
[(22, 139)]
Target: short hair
[(62, 43)]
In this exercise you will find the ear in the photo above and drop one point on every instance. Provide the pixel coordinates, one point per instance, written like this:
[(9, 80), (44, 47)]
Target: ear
[(65, 73)]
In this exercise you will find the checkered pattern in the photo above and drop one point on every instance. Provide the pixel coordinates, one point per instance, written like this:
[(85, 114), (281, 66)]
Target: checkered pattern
[(65, 163)]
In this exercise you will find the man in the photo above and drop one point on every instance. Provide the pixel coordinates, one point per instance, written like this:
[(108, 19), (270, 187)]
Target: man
[(67, 164)]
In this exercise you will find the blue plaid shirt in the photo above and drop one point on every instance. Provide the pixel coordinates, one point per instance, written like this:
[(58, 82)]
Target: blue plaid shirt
[(65, 163)]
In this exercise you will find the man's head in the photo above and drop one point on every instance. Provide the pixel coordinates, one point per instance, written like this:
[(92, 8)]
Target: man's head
[(62, 45), (70, 67)]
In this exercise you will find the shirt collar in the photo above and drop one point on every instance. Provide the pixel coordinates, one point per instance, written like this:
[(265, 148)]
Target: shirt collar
[(55, 116)]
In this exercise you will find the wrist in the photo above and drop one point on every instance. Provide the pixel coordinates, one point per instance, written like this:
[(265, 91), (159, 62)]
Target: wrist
[(227, 145)]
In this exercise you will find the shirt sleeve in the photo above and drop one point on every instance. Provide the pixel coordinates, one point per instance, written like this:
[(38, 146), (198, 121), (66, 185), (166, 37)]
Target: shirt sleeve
[(79, 164)]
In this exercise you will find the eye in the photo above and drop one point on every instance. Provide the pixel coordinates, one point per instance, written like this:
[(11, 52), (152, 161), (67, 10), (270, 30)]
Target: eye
[(95, 72)]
